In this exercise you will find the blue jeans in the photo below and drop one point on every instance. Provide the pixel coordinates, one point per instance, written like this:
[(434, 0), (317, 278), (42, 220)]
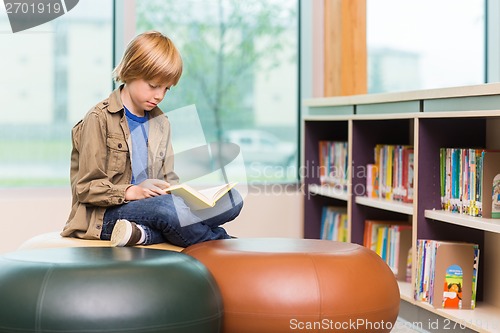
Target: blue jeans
[(166, 218)]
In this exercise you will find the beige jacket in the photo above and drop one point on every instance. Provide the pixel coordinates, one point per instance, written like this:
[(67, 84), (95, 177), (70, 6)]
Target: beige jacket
[(101, 168)]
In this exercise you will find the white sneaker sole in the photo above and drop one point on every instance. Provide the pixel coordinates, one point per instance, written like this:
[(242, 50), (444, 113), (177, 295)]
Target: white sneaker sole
[(121, 233)]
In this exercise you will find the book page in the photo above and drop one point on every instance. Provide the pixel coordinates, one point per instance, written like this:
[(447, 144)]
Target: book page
[(200, 199), (215, 193)]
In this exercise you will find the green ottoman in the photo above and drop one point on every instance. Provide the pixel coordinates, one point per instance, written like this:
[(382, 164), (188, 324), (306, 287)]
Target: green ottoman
[(112, 290)]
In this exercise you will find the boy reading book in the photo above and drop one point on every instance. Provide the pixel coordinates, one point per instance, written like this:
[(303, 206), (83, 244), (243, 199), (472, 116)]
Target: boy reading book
[(122, 161)]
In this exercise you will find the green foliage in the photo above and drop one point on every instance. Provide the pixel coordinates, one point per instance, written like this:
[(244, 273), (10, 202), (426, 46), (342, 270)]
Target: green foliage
[(29, 151), (34, 182)]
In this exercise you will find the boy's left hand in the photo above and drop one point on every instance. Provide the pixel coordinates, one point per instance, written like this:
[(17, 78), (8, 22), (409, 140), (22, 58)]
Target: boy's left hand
[(147, 189), (155, 185)]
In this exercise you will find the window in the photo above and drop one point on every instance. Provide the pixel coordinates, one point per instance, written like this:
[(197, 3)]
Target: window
[(240, 77), (425, 44), (50, 75)]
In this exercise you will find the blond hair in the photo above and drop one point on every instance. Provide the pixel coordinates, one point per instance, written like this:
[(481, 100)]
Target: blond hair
[(150, 56)]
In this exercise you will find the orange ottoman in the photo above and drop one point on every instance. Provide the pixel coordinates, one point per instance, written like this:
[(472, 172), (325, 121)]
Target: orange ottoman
[(286, 285)]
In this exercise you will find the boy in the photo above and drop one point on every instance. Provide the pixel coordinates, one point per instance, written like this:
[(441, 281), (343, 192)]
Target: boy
[(122, 160)]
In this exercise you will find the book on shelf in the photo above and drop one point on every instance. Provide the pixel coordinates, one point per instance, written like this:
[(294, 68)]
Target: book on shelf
[(391, 240), (495, 200), (409, 264), (372, 181), (447, 273), (200, 198), (391, 175), (333, 163), (334, 223), (408, 172), (469, 181)]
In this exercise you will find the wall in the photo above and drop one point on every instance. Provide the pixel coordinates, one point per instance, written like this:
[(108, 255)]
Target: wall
[(29, 212)]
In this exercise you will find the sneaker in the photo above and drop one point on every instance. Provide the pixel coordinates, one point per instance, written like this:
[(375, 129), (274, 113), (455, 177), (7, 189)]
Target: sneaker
[(125, 233)]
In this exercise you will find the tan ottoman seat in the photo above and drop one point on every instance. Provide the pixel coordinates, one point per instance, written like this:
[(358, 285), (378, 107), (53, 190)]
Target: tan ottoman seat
[(286, 285), (54, 239)]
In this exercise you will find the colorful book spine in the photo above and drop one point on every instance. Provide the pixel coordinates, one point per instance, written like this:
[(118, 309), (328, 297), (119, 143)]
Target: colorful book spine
[(334, 224), (391, 240), (442, 176), (467, 181), (333, 165), (391, 175)]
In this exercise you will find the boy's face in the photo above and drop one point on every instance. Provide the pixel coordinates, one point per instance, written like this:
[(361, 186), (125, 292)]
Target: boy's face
[(146, 94)]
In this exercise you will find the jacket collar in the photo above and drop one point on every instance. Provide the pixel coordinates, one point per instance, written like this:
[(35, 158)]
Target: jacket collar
[(115, 101), (116, 104)]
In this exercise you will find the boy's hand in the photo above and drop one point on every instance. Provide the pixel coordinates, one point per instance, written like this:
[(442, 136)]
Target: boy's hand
[(147, 189)]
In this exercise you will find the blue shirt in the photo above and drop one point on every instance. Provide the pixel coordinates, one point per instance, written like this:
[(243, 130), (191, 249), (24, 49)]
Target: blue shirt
[(139, 129)]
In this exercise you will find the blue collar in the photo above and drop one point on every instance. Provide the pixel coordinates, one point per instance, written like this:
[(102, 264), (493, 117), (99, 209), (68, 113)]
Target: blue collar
[(136, 118)]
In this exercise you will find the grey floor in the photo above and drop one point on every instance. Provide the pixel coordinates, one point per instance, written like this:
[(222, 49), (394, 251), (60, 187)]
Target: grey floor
[(403, 326)]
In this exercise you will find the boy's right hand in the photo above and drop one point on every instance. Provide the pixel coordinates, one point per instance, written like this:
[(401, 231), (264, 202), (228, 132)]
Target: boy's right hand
[(147, 189)]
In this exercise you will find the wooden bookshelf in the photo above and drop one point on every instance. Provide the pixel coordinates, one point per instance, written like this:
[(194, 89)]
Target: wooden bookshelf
[(328, 191), (484, 318), (481, 223), (427, 120), (388, 205), (406, 291)]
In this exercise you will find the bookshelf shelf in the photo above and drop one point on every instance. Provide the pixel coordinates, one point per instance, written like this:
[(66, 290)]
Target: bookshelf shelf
[(406, 291), (389, 205), (484, 318), (481, 223), (427, 120), (327, 191)]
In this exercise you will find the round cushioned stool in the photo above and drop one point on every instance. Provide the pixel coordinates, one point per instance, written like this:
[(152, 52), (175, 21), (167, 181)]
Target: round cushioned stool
[(286, 285), (112, 290)]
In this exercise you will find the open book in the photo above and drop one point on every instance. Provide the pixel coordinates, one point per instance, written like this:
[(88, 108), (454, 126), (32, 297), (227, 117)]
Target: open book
[(200, 199)]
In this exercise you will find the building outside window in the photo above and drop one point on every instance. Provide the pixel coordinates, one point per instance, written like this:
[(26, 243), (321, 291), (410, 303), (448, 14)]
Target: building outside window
[(50, 75), (425, 44)]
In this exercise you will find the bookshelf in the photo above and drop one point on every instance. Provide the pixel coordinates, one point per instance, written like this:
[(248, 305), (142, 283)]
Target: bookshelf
[(428, 120), (394, 206)]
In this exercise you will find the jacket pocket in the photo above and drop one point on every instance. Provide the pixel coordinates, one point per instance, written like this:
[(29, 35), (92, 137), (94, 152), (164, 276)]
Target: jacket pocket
[(117, 153)]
